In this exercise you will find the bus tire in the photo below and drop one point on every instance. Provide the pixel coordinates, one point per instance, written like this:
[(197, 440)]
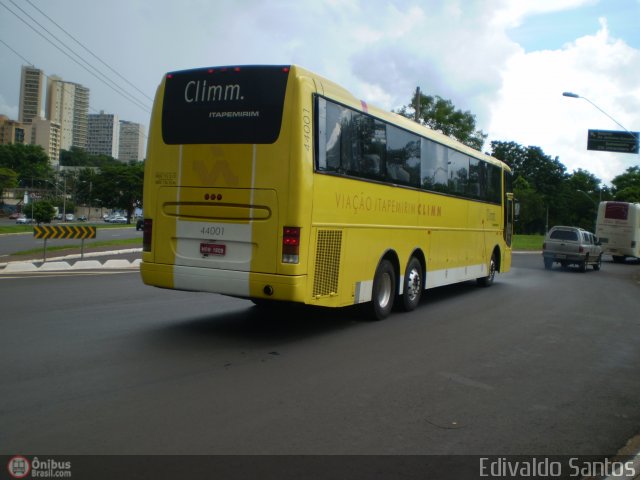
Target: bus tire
[(384, 290), (413, 285), (491, 275)]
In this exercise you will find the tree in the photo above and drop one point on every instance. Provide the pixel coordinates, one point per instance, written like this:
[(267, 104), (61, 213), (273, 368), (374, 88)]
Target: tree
[(440, 114), (545, 178), (581, 193), (8, 179), (43, 212), (28, 161), (544, 174), (78, 157), (120, 186), (84, 186), (532, 208), (627, 185)]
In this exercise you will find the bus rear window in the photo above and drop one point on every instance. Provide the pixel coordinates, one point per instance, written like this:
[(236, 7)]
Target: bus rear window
[(616, 211), (224, 105)]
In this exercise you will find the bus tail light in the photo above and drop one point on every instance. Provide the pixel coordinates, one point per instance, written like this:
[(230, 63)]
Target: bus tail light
[(147, 230), (291, 245)]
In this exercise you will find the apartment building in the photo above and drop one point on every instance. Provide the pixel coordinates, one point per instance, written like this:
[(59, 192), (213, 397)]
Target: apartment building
[(47, 134), (104, 134), (131, 142), (68, 105), (14, 132), (32, 90)]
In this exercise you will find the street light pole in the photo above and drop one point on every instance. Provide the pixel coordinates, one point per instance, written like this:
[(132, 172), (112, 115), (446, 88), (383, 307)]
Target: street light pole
[(595, 205), (575, 95)]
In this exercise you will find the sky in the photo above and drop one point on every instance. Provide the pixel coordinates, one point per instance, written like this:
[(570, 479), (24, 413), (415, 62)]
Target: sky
[(505, 61)]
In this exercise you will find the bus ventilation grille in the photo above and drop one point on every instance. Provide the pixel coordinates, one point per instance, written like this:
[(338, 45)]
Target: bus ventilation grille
[(328, 247)]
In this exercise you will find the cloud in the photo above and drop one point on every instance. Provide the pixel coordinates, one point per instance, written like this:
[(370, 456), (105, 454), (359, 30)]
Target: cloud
[(530, 108), (512, 13), (380, 50), (10, 111)]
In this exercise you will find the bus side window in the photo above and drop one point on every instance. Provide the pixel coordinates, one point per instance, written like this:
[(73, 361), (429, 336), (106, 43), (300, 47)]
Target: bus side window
[(458, 172), (372, 136), (477, 179), (434, 168), (335, 119), (403, 157)]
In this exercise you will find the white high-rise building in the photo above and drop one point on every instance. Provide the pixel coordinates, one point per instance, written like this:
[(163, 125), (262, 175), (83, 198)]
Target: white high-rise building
[(68, 105), (104, 134), (81, 117), (131, 142)]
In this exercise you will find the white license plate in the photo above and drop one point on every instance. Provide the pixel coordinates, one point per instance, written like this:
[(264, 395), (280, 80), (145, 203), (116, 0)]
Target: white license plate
[(212, 249)]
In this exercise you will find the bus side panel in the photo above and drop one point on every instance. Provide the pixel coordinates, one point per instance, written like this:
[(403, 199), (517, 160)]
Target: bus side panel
[(359, 221)]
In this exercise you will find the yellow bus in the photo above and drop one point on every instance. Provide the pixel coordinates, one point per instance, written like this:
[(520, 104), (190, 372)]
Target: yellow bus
[(275, 184)]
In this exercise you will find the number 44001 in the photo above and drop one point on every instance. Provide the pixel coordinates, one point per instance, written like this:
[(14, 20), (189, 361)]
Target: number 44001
[(213, 231)]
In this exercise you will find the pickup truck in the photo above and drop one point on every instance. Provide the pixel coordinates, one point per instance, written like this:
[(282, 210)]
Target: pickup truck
[(571, 246)]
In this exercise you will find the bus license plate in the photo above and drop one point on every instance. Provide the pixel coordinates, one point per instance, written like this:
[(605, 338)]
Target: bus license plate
[(212, 249)]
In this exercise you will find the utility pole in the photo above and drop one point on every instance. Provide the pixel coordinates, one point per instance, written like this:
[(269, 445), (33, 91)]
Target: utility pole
[(417, 106)]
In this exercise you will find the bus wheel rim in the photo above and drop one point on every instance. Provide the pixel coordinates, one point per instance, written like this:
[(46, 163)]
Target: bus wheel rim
[(384, 294), (413, 284)]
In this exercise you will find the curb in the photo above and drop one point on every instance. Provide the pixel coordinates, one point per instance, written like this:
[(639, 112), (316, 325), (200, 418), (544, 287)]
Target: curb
[(24, 267), (57, 264)]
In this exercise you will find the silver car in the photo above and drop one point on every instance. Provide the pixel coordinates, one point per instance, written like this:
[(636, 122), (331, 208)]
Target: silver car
[(571, 246)]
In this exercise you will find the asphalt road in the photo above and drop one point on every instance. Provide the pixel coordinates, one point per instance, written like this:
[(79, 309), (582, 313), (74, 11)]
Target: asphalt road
[(543, 362)]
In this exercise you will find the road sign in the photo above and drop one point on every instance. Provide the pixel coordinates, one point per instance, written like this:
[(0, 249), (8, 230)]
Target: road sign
[(613, 141), (64, 231)]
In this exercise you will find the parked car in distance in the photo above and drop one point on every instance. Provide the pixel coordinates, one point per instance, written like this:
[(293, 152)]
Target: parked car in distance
[(69, 217), (15, 216), (571, 246), (23, 220), (82, 218), (118, 219)]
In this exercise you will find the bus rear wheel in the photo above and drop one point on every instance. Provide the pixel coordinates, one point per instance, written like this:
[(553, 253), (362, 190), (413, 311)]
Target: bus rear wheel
[(491, 274), (413, 285), (384, 290)]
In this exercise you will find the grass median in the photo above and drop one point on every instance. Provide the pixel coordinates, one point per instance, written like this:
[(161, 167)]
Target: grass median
[(76, 246), (520, 242), (528, 242)]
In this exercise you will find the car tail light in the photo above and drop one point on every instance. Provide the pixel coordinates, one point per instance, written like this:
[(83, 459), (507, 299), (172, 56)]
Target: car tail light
[(147, 230), (291, 245)]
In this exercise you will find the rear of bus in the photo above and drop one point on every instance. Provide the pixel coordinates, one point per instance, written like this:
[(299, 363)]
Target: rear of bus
[(618, 229), (224, 181)]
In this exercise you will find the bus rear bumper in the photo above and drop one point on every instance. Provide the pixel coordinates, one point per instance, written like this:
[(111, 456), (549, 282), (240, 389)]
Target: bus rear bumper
[(226, 282)]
